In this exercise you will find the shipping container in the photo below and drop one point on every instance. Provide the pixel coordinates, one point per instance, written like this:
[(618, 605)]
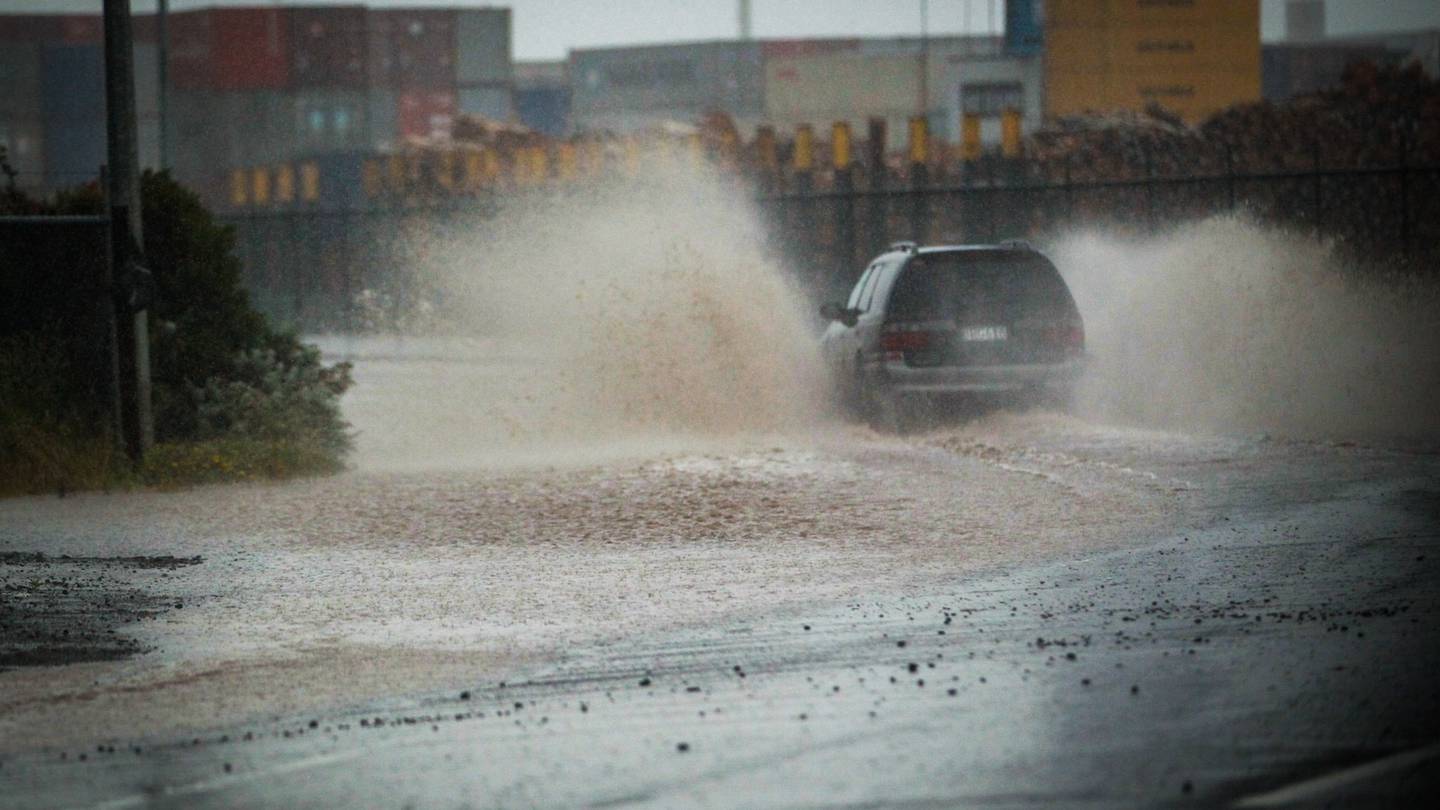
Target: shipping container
[(382, 116), (31, 28), (340, 178), (841, 87), (544, 109), (82, 29), (236, 128), (251, 48), (482, 45), (230, 49), (72, 83), (74, 150), (326, 120), (19, 80), (667, 82), (426, 113), (191, 55), (495, 103), (412, 48), (329, 47), (1192, 58), (792, 48), (147, 79)]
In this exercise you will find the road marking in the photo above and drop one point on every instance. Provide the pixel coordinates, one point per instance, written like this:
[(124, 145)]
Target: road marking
[(1320, 785)]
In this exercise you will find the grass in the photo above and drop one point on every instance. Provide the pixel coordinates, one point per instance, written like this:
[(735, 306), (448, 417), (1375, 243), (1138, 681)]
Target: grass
[(35, 461), (216, 461), (47, 448)]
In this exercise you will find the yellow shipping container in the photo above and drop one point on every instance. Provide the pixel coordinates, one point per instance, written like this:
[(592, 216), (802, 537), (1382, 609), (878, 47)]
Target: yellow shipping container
[(1070, 13), (1194, 57)]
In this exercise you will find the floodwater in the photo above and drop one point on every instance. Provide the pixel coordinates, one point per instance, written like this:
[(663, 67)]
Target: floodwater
[(393, 579), (629, 442), (377, 582)]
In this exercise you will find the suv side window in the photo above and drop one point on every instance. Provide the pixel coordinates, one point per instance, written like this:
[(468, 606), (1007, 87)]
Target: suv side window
[(868, 299), (857, 293)]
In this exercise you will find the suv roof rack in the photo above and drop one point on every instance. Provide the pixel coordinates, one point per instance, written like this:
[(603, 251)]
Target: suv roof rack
[(1017, 244), (906, 246)]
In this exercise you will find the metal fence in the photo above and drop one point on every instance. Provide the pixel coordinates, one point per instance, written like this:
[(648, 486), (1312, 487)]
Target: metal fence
[(330, 269)]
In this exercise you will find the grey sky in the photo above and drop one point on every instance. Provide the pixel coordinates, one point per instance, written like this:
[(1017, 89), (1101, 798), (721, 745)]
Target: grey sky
[(546, 29)]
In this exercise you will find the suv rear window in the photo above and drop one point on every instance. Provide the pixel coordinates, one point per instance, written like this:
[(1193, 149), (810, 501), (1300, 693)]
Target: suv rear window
[(962, 284)]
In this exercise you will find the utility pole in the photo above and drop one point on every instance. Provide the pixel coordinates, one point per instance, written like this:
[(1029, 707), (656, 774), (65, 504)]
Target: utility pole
[(162, 79), (924, 59), (744, 14), (127, 280)]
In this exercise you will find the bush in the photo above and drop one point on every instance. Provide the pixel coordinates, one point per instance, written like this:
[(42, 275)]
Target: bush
[(221, 375), (271, 398)]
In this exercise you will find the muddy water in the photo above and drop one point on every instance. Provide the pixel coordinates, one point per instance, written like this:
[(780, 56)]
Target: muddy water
[(524, 490), (395, 578)]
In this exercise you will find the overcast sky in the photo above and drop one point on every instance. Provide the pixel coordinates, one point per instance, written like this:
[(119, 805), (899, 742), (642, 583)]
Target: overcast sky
[(546, 29)]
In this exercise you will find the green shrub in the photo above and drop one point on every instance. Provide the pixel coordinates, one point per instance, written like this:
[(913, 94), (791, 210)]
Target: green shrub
[(222, 377), (271, 398)]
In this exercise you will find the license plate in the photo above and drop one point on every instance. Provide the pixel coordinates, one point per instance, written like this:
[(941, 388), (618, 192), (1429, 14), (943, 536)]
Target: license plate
[(984, 333)]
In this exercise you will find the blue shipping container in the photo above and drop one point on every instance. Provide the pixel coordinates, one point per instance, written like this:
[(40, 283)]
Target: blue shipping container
[(72, 84), (1024, 32), (544, 109), (72, 103)]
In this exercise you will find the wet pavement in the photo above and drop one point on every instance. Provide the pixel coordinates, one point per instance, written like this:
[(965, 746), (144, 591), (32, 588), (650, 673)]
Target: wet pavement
[(1031, 609)]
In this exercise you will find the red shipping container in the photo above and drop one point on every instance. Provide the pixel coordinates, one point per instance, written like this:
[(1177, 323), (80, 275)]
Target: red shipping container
[(426, 113), (251, 48), (329, 46), (35, 29), (78, 29), (791, 48), (230, 49)]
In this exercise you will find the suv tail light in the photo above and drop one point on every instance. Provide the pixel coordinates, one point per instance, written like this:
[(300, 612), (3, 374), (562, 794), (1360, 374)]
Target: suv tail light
[(1069, 335), (902, 339)]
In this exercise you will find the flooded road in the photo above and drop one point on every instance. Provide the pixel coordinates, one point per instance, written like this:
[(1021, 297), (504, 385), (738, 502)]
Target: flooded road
[(619, 584)]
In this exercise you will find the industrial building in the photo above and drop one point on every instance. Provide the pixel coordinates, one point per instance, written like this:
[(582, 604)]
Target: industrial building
[(250, 85), (790, 82), (267, 85)]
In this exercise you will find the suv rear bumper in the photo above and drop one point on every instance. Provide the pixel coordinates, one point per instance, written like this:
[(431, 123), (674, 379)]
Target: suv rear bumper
[(902, 379)]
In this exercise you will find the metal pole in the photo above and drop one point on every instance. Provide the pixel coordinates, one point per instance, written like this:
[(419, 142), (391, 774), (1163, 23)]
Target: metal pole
[(1405, 194), (162, 79), (924, 58), (1230, 175), (108, 359), (127, 235)]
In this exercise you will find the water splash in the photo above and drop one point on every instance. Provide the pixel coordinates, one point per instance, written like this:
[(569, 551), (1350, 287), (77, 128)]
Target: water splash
[(631, 313), (1228, 326)]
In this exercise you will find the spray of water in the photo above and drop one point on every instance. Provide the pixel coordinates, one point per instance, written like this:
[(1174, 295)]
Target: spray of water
[(1227, 326), (631, 312)]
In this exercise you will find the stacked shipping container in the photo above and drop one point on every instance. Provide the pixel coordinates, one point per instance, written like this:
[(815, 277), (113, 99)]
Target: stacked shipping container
[(251, 85)]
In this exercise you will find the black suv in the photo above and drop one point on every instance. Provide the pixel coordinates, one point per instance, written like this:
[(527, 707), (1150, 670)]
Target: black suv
[(957, 321)]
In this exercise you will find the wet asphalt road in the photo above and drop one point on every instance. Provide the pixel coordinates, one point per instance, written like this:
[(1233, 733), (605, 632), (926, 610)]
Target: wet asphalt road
[(1283, 636)]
